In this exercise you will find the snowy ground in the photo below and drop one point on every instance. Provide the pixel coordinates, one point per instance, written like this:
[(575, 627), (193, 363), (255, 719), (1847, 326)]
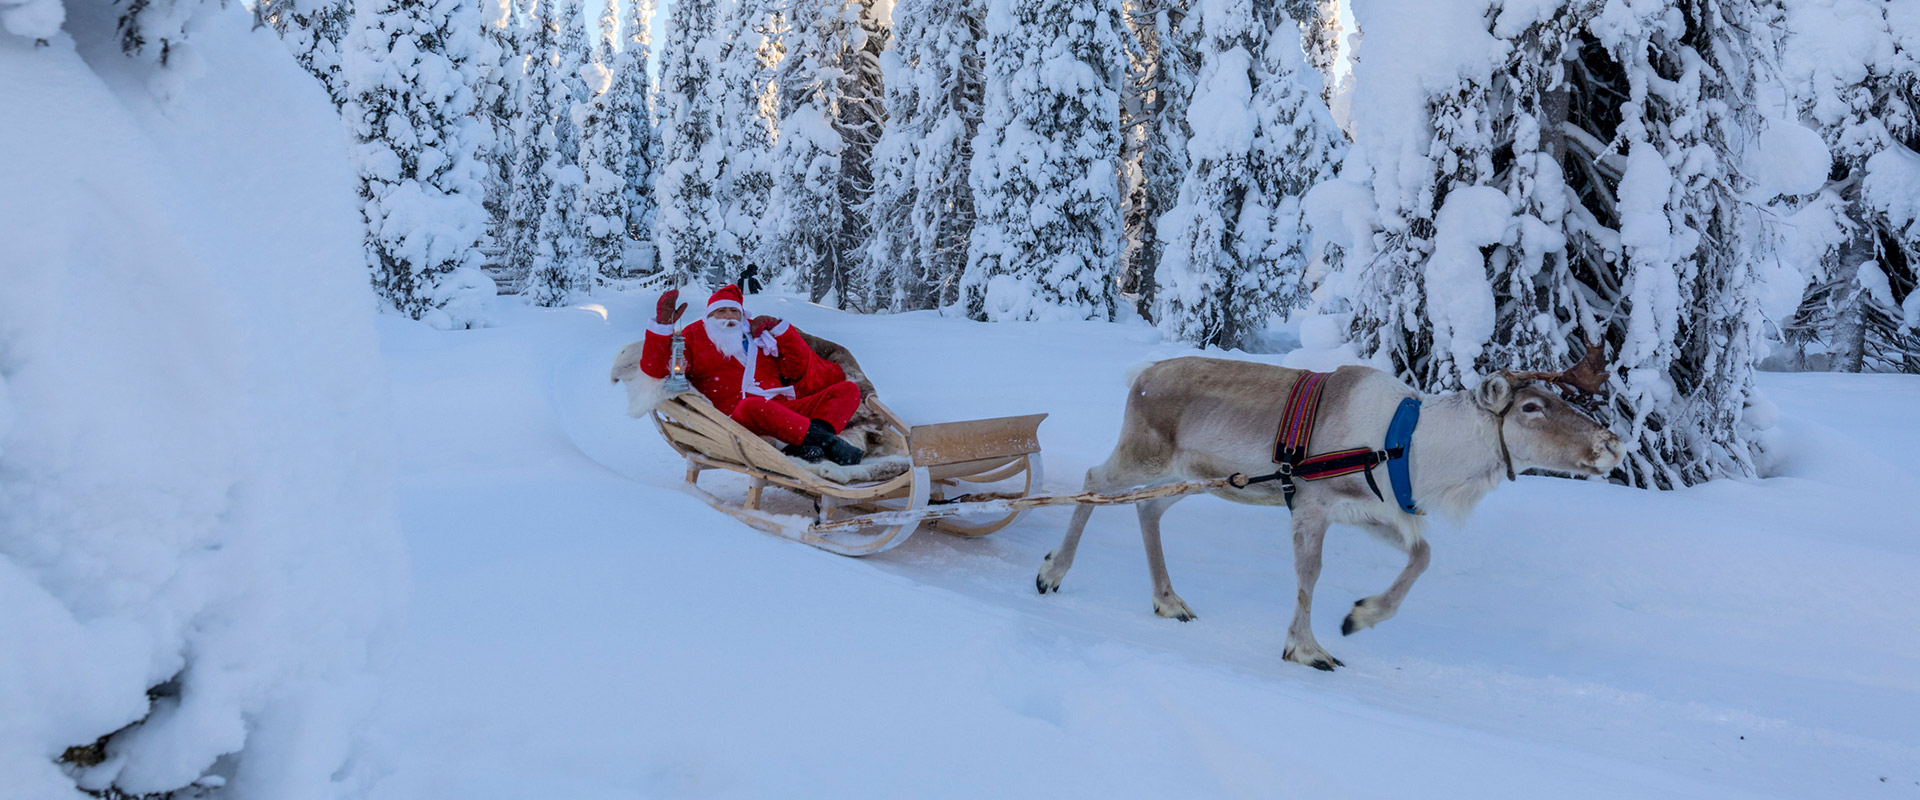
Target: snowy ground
[(583, 629)]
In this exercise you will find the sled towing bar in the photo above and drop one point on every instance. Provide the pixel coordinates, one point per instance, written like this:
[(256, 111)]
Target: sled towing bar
[(995, 503)]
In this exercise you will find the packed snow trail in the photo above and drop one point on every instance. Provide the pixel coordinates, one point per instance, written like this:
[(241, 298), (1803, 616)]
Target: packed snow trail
[(582, 628)]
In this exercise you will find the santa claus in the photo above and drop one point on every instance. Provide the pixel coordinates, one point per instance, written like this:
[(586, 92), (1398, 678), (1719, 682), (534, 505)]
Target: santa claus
[(760, 373)]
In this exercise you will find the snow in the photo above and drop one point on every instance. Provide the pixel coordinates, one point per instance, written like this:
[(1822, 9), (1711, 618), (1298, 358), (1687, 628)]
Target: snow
[(1459, 297), (194, 490), (1892, 185), (1789, 158), (585, 629)]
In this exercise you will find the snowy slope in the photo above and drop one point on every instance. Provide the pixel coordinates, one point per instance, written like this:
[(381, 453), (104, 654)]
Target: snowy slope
[(584, 630)]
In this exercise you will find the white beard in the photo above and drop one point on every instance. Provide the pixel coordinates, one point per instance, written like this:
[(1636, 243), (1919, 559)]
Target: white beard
[(729, 337)]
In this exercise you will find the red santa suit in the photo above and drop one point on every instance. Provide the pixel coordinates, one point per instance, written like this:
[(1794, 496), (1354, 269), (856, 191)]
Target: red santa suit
[(774, 386)]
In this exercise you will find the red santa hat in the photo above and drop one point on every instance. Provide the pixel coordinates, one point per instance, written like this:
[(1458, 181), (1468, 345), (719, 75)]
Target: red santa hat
[(727, 296)]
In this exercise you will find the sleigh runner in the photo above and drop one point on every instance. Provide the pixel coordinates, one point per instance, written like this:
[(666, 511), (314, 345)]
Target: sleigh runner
[(862, 519), (943, 463)]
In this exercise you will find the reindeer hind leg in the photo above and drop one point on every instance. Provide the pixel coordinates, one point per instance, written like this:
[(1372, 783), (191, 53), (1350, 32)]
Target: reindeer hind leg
[(1165, 602)]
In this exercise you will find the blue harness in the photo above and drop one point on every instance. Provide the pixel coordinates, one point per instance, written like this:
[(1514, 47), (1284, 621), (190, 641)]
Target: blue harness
[(1400, 440)]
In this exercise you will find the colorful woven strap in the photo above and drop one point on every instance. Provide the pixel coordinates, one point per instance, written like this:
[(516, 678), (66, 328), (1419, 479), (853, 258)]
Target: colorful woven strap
[(1296, 427)]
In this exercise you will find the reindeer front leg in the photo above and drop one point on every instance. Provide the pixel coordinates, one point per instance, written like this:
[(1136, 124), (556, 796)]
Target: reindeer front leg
[(1309, 530), (1374, 610)]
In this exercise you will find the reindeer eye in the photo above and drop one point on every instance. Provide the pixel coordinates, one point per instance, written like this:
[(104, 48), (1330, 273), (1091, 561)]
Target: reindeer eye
[(1531, 407)]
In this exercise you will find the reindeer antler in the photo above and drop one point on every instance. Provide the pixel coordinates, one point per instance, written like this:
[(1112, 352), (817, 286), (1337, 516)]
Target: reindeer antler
[(1588, 376)]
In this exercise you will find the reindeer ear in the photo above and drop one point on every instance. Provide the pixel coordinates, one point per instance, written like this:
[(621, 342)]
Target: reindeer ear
[(1494, 392)]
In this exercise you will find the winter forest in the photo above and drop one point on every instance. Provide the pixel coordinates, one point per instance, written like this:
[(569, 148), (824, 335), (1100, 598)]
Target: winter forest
[(1448, 187), (313, 485)]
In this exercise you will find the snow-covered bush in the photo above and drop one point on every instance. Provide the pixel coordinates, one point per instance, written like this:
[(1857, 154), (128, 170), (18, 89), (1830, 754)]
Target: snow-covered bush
[(197, 555), (1045, 169)]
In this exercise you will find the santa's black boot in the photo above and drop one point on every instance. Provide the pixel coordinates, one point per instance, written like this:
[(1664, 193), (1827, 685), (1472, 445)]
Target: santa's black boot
[(821, 435), (805, 452)]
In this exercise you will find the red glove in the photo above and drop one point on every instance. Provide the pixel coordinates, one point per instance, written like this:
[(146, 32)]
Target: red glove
[(666, 313), (762, 324)]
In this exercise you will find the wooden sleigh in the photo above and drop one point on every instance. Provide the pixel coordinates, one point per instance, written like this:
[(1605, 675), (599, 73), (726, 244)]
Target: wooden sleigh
[(948, 466)]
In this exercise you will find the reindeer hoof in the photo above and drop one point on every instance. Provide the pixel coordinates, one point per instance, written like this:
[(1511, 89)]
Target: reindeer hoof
[(1174, 608), (1048, 580), (1318, 659), (1363, 616)]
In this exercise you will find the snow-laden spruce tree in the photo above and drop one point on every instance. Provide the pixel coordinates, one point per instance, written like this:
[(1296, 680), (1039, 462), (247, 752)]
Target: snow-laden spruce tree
[(604, 150), (1320, 32), (1236, 251), (157, 31), (689, 223), (749, 113), (312, 29), (559, 269), (1164, 65), (534, 136), (409, 101), (831, 109), (633, 110), (1539, 175), (1852, 68), (1045, 172), (921, 208), (500, 63)]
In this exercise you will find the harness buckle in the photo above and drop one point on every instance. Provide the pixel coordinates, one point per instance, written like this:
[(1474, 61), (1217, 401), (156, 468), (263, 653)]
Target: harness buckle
[(1286, 468)]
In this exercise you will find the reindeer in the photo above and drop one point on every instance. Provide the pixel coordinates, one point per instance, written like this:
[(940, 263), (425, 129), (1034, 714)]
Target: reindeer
[(1196, 418)]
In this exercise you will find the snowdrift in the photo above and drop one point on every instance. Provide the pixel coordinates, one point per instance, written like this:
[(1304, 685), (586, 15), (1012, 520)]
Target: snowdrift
[(196, 538)]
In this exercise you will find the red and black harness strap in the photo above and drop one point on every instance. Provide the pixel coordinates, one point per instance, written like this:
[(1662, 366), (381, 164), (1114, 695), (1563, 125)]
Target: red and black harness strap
[(1296, 433)]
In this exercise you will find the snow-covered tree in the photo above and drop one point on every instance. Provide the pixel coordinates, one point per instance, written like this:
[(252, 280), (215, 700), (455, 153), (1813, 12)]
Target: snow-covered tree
[(632, 108), (921, 208), (544, 233), (1578, 177), (157, 29), (560, 269), (1320, 32), (500, 64), (1235, 246), (1853, 70), (407, 71), (604, 150), (749, 114), (689, 224), (1165, 67), (1045, 171), (312, 29), (831, 108)]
